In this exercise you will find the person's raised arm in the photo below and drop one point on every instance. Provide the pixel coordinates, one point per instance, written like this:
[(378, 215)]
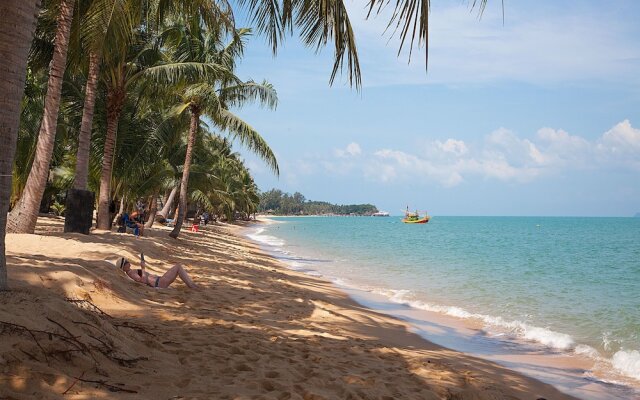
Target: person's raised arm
[(143, 264)]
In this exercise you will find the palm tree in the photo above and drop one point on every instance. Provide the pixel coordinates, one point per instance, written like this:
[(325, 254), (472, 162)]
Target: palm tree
[(219, 180), (16, 31), (112, 19), (25, 214), (193, 43)]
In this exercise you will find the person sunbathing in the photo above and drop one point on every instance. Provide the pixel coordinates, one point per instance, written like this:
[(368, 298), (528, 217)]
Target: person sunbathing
[(144, 277)]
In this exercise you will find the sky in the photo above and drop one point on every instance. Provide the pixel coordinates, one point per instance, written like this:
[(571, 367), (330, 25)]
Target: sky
[(538, 115)]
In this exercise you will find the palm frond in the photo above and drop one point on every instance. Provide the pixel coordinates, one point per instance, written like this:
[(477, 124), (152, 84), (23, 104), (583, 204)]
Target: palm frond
[(248, 136)]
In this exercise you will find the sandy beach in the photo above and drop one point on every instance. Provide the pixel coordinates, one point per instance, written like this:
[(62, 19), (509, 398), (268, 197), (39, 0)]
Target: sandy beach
[(73, 326)]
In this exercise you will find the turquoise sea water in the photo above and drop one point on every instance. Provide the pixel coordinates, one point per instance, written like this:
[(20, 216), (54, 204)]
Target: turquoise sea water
[(569, 285)]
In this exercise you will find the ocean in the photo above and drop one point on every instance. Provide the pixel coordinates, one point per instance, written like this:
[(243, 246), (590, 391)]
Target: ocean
[(557, 298)]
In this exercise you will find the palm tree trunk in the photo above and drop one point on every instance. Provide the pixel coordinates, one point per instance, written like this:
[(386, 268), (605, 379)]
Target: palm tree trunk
[(176, 213), (16, 32), (23, 217), (182, 208), (115, 101), (167, 205), (84, 137), (79, 215), (153, 209)]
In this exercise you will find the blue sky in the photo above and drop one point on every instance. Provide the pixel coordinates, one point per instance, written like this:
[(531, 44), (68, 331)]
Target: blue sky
[(539, 116)]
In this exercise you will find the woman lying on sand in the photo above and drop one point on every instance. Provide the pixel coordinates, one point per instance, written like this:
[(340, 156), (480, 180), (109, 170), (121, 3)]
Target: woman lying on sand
[(142, 276)]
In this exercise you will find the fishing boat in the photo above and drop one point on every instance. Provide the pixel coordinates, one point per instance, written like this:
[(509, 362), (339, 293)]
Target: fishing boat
[(414, 217)]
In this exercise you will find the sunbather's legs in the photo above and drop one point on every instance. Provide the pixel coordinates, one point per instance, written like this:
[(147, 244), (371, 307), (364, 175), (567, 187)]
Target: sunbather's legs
[(171, 275)]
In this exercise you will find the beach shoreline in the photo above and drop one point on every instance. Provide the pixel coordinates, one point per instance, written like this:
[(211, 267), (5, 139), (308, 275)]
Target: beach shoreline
[(256, 329), (584, 375)]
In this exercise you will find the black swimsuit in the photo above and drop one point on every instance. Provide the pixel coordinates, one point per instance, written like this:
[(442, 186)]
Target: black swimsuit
[(157, 278)]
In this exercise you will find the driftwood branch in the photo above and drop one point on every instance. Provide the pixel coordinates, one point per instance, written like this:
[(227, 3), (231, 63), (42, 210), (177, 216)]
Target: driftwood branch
[(86, 304), (30, 331), (135, 327), (109, 386), (74, 382), (91, 325)]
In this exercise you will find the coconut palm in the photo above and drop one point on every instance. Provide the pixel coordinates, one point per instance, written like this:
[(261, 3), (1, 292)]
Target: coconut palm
[(191, 42), (16, 31), (112, 19), (104, 20), (217, 181), (24, 215)]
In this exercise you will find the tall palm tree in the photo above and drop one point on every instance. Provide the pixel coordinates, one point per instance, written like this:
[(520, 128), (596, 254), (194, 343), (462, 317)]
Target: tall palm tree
[(25, 214), (16, 31), (103, 20), (192, 43)]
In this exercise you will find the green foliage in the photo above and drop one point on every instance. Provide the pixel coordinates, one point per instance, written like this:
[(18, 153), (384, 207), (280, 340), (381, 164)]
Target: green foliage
[(279, 203), (58, 209), (162, 54)]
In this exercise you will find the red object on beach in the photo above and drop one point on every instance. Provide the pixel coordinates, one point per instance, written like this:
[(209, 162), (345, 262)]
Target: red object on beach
[(194, 228)]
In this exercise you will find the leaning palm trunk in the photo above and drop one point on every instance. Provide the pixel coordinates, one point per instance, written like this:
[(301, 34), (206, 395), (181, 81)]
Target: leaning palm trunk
[(115, 101), (169, 203), (153, 210), (16, 32), (182, 207), (24, 216), (84, 137)]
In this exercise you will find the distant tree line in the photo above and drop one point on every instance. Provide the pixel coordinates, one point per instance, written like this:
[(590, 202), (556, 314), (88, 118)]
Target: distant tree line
[(279, 203)]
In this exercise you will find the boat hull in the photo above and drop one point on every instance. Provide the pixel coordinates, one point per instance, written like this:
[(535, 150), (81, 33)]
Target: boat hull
[(423, 220)]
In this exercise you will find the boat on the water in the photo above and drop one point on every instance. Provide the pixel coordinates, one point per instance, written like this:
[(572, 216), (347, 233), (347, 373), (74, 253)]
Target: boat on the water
[(380, 214), (414, 217)]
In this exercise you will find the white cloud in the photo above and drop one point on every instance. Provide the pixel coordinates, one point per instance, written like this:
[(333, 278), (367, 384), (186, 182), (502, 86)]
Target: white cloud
[(353, 149), (501, 155), (505, 156), (620, 146), (456, 147), (622, 138), (563, 149)]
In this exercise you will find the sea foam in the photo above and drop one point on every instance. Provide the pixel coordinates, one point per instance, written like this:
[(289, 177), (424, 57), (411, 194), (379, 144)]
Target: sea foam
[(544, 336), (266, 239), (627, 362)]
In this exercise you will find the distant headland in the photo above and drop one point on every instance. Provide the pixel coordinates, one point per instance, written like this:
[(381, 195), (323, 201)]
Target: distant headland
[(277, 202)]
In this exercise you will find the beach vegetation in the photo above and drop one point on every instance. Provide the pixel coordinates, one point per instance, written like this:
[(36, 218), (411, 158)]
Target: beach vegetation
[(277, 202)]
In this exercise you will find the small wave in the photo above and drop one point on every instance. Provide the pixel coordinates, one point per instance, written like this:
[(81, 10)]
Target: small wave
[(624, 362), (266, 239), (587, 351), (627, 362), (544, 336)]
